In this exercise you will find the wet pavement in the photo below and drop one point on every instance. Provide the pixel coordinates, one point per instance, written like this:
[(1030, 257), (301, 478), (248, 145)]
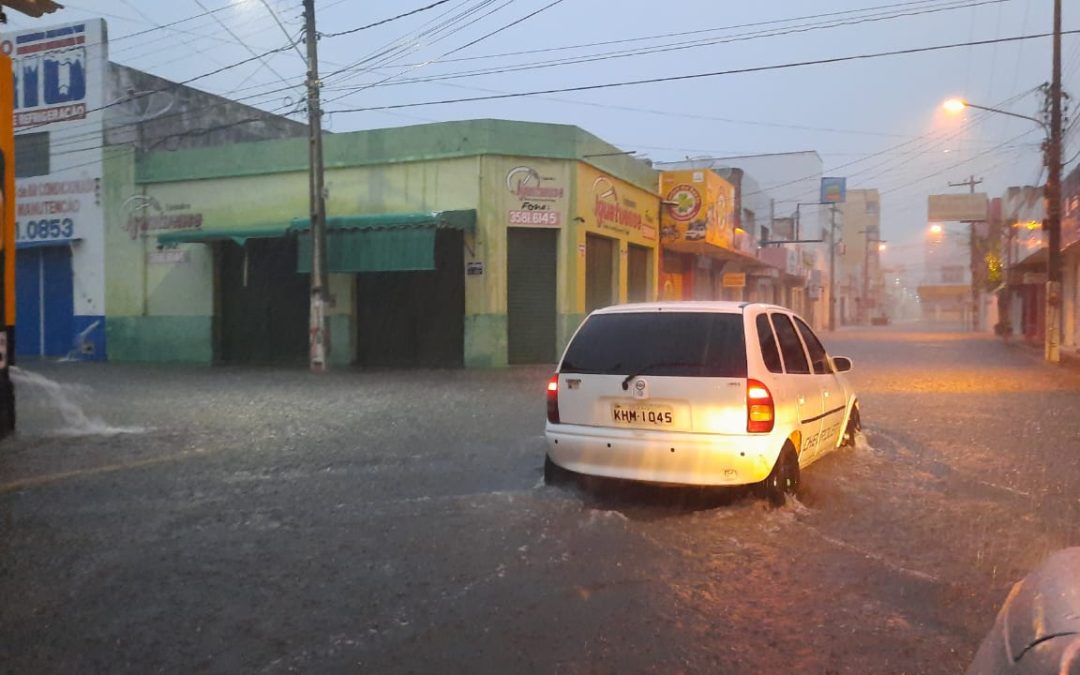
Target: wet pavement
[(258, 520)]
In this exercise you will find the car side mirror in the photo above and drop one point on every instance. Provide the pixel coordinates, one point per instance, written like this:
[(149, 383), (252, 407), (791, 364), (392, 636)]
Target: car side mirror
[(842, 364)]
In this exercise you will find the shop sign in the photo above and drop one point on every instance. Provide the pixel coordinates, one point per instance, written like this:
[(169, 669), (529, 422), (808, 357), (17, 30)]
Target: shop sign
[(957, 207), (51, 210), (145, 215), (733, 280), (615, 207), (538, 200), (617, 213), (1033, 278), (50, 68), (698, 209), (833, 190)]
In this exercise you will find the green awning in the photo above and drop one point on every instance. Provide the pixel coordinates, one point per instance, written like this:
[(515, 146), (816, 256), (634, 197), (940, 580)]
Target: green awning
[(401, 250), (455, 220), (239, 235), (379, 242)]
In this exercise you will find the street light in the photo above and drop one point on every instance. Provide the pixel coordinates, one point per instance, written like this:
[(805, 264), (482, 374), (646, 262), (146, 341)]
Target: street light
[(936, 229), (957, 105), (881, 246), (954, 105)]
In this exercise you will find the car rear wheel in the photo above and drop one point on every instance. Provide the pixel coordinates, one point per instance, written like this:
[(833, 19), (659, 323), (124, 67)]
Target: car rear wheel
[(555, 474), (783, 480), (854, 426)]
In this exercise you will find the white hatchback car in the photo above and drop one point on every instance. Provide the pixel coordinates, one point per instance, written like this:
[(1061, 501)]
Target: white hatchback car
[(697, 393)]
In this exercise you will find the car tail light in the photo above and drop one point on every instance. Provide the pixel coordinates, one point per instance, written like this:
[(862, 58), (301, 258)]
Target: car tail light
[(553, 399), (760, 411)]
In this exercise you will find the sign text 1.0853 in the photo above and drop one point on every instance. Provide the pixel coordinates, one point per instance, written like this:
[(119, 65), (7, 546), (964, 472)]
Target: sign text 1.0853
[(39, 230)]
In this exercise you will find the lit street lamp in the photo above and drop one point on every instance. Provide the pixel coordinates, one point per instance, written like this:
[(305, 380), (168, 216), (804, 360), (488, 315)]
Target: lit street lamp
[(957, 105)]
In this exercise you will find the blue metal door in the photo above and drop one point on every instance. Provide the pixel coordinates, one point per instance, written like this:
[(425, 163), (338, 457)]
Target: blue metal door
[(44, 324)]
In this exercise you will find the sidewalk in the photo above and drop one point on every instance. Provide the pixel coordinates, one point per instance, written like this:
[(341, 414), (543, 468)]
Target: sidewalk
[(1070, 358)]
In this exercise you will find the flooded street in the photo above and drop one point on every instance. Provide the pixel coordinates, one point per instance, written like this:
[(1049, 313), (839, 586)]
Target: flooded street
[(246, 520)]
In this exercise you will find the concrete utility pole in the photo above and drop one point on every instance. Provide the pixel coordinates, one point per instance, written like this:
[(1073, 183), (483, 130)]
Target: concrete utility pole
[(871, 237), (319, 338), (1053, 203), (971, 183), (832, 267)]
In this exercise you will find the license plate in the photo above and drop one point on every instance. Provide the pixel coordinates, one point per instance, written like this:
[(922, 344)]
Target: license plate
[(649, 415)]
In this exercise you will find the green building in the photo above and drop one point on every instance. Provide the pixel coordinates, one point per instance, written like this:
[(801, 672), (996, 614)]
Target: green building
[(478, 243)]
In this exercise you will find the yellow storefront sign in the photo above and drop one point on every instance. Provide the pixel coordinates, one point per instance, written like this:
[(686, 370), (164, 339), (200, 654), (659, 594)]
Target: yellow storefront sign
[(733, 280), (615, 208), (699, 211)]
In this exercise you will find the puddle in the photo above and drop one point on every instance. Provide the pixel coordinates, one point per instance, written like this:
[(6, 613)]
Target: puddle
[(61, 398)]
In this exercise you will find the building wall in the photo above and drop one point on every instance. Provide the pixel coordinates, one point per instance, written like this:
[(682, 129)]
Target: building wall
[(182, 292), (607, 206), (471, 165), (153, 113), (59, 94)]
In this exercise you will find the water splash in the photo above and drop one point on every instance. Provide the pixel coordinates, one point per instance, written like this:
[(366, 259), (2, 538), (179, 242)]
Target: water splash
[(59, 396)]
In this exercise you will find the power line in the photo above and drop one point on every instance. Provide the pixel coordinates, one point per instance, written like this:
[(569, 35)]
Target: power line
[(242, 43), (174, 85), (462, 47), (384, 21), (396, 48), (691, 32), (959, 164), (835, 169), (284, 31), (658, 49), (696, 76)]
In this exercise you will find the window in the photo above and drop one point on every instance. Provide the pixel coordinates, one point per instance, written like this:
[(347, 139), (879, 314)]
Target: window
[(818, 358), (769, 351), (794, 356), (680, 344), (32, 155)]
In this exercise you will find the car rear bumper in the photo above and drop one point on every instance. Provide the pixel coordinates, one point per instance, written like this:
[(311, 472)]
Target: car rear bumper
[(664, 457)]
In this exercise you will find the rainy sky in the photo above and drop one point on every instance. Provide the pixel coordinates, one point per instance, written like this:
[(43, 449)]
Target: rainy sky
[(878, 121)]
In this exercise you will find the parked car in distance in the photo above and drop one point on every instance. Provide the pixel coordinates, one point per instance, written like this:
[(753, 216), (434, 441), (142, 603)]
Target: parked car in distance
[(697, 393)]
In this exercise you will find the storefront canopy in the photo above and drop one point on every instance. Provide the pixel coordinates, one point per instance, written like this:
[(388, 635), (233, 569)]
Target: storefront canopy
[(384, 242), (380, 242), (238, 235), (456, 220)]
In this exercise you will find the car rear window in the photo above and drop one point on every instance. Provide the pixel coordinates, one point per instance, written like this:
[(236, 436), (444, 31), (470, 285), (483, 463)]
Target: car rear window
[(681, 344)]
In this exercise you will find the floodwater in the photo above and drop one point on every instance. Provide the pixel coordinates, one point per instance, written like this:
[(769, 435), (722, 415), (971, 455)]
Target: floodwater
[(275, 521)]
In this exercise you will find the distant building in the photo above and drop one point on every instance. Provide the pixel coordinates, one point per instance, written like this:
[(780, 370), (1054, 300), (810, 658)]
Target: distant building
[(73, 108), (1023, 243), (777, 198), (859, 291)]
